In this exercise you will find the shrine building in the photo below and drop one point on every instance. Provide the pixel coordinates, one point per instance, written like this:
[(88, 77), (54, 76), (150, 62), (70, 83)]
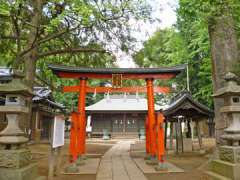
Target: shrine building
[(121, 115)]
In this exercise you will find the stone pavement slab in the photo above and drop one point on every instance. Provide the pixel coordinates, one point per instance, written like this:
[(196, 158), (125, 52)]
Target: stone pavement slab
[(90, 167), (116, 164), (149, 169)]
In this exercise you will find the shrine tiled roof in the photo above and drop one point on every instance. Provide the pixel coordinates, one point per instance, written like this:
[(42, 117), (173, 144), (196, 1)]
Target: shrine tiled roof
[(121, 103), (5, 72), (45, 94), (185, 105)]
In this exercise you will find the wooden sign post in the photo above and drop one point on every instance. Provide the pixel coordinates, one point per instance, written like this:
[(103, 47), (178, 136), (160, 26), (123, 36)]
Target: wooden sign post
[(57, 143)]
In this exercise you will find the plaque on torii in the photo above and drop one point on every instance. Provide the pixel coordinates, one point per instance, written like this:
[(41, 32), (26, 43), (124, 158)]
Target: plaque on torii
[(117, 80)]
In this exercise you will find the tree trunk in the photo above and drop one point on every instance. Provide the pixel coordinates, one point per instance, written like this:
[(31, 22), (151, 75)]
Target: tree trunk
[(30, 58), (224, 51)]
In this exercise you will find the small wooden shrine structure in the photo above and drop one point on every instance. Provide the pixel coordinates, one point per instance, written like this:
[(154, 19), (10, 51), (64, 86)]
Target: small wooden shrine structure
[(183, 108), (44, 110), (78, 132)]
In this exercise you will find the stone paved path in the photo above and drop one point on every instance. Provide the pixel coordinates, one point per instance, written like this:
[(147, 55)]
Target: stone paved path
[(116, 164)]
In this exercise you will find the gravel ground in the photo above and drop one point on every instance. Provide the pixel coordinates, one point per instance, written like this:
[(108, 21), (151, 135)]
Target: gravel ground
[(41, 152)]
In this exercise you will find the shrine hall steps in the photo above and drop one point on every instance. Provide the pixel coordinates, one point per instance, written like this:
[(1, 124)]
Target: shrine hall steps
[(117, 135), (124, 135)]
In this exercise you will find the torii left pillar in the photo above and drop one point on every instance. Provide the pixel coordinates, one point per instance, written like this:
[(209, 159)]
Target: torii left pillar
[(81, 146)]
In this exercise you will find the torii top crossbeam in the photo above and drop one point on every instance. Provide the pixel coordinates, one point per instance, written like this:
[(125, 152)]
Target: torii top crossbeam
[(127, 73)]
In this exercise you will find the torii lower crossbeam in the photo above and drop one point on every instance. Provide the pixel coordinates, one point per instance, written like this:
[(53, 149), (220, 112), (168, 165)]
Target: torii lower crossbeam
[(163, 90)]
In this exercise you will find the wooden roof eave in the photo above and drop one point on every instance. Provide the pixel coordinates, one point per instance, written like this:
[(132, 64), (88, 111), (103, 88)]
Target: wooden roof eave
[(203, 110), (127, 73), (115, 111)]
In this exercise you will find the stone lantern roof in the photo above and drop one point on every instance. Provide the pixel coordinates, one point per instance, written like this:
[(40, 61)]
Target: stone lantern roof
[(16, 86), (231, 89)]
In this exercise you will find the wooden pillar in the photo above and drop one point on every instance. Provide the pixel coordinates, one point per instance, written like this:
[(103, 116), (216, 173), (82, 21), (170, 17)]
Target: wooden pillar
[(51, 164), (54, 163), (58, 161), (181, 134), (165, 135), (171, 135), (189, 131), (199, 135), (179, 142), (82, 117), (176, 135), (151, 116), (179, 137)]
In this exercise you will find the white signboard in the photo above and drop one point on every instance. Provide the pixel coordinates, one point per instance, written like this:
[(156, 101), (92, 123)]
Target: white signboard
[(58, 131)]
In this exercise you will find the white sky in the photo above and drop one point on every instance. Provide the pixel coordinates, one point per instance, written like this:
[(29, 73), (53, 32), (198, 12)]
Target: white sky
[(163, 10)]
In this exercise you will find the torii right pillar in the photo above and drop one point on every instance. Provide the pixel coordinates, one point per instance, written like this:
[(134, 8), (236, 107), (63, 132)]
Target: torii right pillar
[(151, 118)]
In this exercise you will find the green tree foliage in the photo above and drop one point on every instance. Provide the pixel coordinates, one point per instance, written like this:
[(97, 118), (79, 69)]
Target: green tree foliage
[(188, 42), (73, 32), (170, 47), (165, 48), (194, 30)]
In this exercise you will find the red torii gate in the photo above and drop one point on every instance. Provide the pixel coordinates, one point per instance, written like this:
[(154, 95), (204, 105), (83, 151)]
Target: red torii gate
[(154, 134)]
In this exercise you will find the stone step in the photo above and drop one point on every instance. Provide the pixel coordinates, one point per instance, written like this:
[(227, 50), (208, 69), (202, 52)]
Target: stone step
[(215, 176), (125, 137)]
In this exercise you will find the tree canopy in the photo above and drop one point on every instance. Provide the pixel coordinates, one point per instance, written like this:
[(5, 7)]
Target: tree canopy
[(73, 32), (188, 42)]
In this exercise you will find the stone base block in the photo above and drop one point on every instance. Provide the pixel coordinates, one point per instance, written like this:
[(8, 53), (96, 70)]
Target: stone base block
[(89, 168), (161, 167), (72, 168), (202, 151), (14, 158), (142, 137), (230, 154), (214, 176), (106, 137), (147, 157), (152, 161), (225, 169), (25, 173)]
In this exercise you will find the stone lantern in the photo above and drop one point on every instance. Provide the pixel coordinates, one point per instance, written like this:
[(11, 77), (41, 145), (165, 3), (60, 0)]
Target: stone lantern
[(15, 157), (231, 108), (228, 164)]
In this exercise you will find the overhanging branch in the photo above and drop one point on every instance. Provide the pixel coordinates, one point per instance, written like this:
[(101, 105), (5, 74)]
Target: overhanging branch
[(71, 50)]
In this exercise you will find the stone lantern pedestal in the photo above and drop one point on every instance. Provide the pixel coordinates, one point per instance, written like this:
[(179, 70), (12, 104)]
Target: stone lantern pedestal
[(15, 157), (228, 164)]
